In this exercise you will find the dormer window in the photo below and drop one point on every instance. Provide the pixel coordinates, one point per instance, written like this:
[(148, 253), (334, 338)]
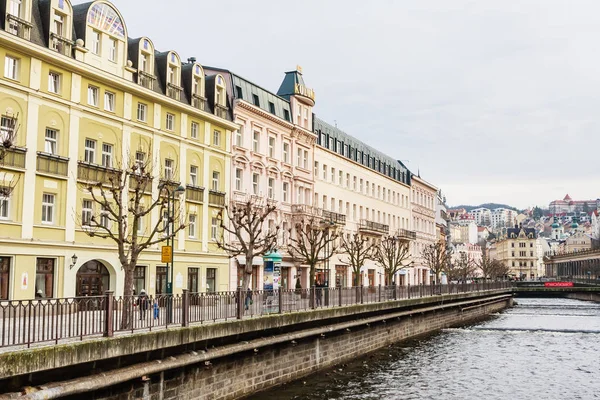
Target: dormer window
[(105, 37), (17, 18), (146, 77), (198, 100), (60, 26), (220, 97), (173, 76)]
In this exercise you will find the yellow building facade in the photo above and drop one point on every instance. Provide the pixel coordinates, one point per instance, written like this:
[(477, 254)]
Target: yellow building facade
[(517, 249), (85, 100)]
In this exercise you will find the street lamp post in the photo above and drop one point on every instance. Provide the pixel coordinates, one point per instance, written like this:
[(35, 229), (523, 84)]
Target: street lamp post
[(171, 243)]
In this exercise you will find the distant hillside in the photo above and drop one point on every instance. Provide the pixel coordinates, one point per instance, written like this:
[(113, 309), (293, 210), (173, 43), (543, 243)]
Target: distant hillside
[(491, 206)]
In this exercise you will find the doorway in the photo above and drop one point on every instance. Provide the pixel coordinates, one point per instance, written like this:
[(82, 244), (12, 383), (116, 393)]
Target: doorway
[(93, 279)]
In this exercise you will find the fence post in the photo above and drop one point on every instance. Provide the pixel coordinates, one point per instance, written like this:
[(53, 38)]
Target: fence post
[(313, 297), (108, 314), (380, 292), (240, 303), (395, 291), (361, 294), (340, 294), (408, 290), (280, 294), (185, 308)]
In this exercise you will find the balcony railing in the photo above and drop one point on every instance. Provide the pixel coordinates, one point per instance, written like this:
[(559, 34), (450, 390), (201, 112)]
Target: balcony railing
[(169, 184), (18, 26), (61, 44), (198, 102), (174, 91), (216, 198), (13, 157), (304, 209), (194, 193), (405, 234), (52, 164), (143, 182), (370, 226), (220, 111), (146, 80), (336, 218), (97, 173)]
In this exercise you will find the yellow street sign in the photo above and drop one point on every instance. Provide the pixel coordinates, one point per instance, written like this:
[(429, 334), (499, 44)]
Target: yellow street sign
[(167, 254)]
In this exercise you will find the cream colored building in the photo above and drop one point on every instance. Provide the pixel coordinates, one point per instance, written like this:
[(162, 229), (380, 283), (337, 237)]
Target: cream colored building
[(517, 249), (85, 97), (360, 190), (423, 198), (578, 241)]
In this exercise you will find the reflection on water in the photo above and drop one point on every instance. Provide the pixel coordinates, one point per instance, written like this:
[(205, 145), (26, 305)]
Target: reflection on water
[(543, 349)]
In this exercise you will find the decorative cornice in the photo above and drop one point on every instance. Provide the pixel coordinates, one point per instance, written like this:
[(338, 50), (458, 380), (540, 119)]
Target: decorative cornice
[(259, 111)]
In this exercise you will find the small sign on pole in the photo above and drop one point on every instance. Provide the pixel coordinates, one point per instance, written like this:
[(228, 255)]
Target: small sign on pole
[(167, 254)]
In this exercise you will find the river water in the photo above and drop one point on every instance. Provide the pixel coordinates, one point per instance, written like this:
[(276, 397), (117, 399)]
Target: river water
[(542, 349)]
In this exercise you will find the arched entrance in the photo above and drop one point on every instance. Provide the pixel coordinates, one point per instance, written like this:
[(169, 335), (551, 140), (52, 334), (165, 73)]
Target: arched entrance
[(93, 279)]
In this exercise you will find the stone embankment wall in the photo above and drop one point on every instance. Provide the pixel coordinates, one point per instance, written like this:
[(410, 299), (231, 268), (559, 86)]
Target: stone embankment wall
[(247, 372), (584, 296)]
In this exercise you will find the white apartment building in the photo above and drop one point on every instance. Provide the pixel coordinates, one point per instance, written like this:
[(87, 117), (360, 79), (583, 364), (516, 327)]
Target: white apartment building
[(482, 216), (503, 218), (273, 151), (361, 190), (423, 204)]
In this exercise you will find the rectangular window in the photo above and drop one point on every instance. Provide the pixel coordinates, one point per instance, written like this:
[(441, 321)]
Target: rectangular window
[(286, 115), (305, 159), (238, 92), (109, 101), (271, 108), (211, 279), (332, 175), (194, 130), (299, 158), (44, 277), (161, 280), (286, 152), (214, 227), (271, 188), (141, 229), (86, 212), (48, 208), (54, 82), (4, 207), (104, 220), (193, 280), (286, 190), (170, 122), (239, 176), (90, 151), (139, 278), (239, 136), (192, 226), (255, 185), (256, 100), (59, 23), (193, 175), (4, 277), (112, 50), (140, 161), (216, 138), (141, 112), (93, 95), (256, 142), (316, 169), (324, 172), (50, 141), (340, 177), (11, 68), (271, 146), (95, 42), (168, 170), (215, 180), (107, 155)]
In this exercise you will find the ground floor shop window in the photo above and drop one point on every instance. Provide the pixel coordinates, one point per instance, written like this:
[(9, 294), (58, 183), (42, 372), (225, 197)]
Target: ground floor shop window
[(211, 279), (4, 277), (44, 277), (139, 279), (161, 280), (193, 280), (341, 272)]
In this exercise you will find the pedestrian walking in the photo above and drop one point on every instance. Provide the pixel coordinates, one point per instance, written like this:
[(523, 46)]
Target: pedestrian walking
[(248, 302), (319, 290), (142, 303), (156, 309)]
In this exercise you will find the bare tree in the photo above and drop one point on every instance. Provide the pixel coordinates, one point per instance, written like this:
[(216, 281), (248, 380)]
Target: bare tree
[(8, 138), (464, 267), (436, 257), (392, 255), (124, 201), (312, 241), (486, 265), (358, 250), (246, 231), (499, 269)]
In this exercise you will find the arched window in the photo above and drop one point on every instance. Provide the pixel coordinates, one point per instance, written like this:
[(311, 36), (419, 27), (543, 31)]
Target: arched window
[(173, 77), (18, 17), (106, 35), (198, 99), (145, 65), (61, 19), (220, 97)]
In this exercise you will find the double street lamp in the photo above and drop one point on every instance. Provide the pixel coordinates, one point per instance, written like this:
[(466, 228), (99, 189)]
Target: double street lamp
[(171, 242)]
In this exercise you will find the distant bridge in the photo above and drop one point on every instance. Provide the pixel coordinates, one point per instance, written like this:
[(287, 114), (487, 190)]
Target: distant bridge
[(573, 289), (576, 265)]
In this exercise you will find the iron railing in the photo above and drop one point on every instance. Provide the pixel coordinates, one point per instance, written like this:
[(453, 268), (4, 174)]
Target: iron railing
[(28, 322), (198, 102), (52, 164), (146, 79), (220, 111), (14, 157), (216, 198), (370, 226), (336, 218), (18, 26), (405, 234), (61, 44)]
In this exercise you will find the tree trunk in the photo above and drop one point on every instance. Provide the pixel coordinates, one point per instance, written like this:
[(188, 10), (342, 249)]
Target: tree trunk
[(247, 278), (127, 304)]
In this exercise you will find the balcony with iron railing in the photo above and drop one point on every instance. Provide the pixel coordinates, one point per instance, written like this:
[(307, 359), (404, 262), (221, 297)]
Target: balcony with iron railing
[(61, 44), (373, 227), (52, 164), (13, 157), (198, 102), (216, 198), (221, 111), (304, 209), (194, 193), (336, 218), (94, 173), (146, 79), (405, 234), (18, 26), (143, 182), (168, 184), (174, 91)]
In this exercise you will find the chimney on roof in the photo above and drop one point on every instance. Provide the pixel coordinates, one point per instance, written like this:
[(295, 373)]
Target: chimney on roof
[(191, 60)]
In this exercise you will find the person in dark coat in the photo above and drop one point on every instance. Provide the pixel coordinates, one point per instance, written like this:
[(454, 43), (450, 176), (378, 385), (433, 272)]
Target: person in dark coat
[(142, 303), (248, 300), (319, 290)]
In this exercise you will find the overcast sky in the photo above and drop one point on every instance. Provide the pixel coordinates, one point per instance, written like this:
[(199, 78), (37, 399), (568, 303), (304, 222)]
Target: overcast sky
[(493, 101)]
